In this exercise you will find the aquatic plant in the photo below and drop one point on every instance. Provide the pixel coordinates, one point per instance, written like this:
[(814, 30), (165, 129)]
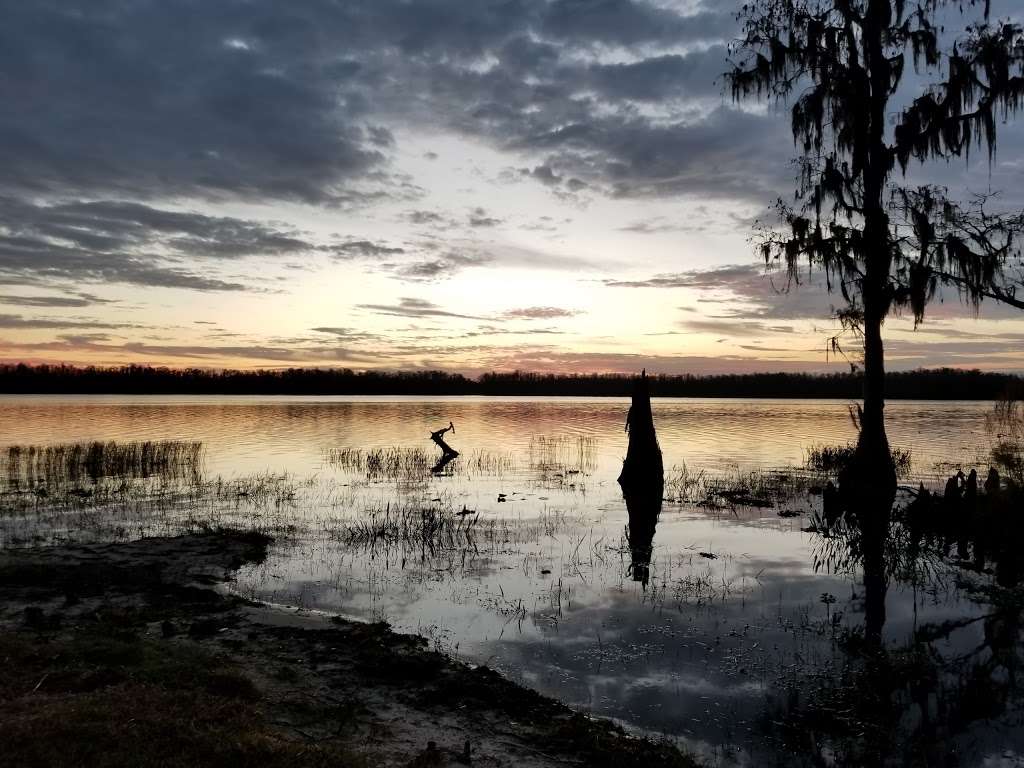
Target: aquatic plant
[(403, 464), (758, 488), (574, 454), (833, 459), (1005, 424), (28, 466)]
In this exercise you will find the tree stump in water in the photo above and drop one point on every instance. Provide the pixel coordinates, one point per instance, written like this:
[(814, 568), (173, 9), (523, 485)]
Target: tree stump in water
[(643, 461), (447, 452), (642, 481)]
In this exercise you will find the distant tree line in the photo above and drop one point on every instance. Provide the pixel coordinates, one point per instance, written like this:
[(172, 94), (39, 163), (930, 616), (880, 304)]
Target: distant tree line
[(938, 384)]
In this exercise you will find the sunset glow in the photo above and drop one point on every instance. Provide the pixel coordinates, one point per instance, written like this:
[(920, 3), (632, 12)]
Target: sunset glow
[(477, 188)]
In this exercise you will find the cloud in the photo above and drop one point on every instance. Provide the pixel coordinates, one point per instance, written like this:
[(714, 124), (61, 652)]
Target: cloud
[(364, 249), (747, 292), (478, 218), (267, 101), (116, 241), (651, 226), (431, 218), (160, 98), (727, 277), (68, 346), (19, 322), (410, 307), (81, 300), (540, 313), (734, 329)]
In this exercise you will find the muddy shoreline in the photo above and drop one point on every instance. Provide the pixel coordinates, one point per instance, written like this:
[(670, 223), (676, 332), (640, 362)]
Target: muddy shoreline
[(136, 650)]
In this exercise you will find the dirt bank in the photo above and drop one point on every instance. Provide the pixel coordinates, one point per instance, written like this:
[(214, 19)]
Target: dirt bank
[(130, 654)]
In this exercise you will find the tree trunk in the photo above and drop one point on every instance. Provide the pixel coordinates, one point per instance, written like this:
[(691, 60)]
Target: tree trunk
[(642, 481), (874, 474), (873, 466)]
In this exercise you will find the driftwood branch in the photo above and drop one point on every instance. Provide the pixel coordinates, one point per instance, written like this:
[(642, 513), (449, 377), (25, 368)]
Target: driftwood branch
[(447, 452)]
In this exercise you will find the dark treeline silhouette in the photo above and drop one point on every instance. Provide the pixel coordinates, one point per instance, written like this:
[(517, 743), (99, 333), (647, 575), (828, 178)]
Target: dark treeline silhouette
[(938, 384)]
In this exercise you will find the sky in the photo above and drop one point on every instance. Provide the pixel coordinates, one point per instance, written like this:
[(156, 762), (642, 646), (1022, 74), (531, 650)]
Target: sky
[(471, 185)]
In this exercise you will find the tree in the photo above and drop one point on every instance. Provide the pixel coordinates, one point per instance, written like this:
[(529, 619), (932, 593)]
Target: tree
[(884, 246)]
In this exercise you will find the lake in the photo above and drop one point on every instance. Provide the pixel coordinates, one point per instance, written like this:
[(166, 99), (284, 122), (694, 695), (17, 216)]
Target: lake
[(719, 623)]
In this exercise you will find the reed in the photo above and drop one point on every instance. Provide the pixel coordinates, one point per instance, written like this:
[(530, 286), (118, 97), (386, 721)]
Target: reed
[(31, 466), (439, 526), (414, 464), (563, 452), (833, 459)]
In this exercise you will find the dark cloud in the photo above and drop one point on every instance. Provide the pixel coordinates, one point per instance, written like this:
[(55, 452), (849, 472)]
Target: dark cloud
[(540, 313), (750, 293), (627, 22), (545, 175), (114, 241), (410, 307), (727, 277), (439, 268), (662, 77), (652, 226), (478, 218), (364, 249), (178, 98), (19, 322), (69, 345), (80, 300), (432, 218), (268, 100), (735, 329)]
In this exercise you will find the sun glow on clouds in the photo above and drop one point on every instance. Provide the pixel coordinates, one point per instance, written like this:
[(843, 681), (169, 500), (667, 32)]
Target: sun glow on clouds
[(485, 186)]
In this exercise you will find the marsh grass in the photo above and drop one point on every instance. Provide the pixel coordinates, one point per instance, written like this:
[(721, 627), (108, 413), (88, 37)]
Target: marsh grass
[(563, 453), (439, 526), (833, 459), (1005, 424), (120, 510), (758, 488), (55, 466), (413, 465)]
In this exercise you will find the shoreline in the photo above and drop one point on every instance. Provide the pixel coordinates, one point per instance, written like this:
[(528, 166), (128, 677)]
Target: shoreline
[(334, 397), (85, 629)]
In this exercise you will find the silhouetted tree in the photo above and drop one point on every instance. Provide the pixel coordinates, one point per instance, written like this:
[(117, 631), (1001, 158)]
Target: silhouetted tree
[(938, 384), (883, 246)]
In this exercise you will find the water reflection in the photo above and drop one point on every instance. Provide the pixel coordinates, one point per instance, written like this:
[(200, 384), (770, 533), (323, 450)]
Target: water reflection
[(935, 696), (764, 622)]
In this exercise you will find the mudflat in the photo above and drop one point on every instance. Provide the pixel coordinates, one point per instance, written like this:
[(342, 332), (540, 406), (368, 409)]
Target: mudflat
[(137, 653)]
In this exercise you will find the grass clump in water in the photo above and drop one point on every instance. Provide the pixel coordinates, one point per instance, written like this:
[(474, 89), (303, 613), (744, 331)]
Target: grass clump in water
[(30, 466), (833, 459)]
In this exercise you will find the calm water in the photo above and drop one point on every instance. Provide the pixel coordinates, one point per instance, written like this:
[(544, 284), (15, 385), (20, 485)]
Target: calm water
[(742, 610)]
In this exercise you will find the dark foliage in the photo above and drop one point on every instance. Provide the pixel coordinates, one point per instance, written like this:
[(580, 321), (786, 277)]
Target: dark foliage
[(885, 246), (939, 384)]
